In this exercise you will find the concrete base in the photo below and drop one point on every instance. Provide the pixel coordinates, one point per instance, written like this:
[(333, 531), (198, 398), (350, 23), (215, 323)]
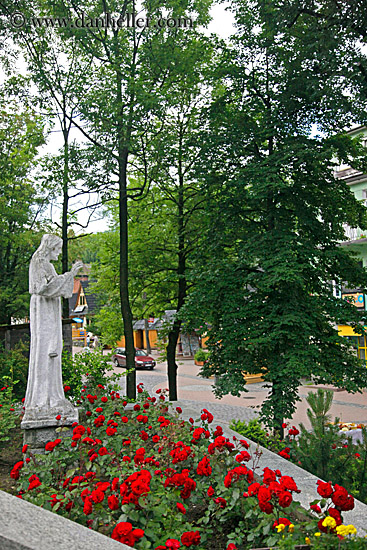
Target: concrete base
[(39, 432)]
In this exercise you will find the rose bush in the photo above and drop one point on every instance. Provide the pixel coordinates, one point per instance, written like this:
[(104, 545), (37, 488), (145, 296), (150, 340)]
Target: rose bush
[(143, 476)]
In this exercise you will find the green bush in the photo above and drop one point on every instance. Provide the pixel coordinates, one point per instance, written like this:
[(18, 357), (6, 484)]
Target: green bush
[(85, 369), (14, 369), (326, 452), (7, 412), (253, 430), (201, 355)]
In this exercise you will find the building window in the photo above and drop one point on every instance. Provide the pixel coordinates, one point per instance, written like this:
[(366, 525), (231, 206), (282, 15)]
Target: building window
[(359, 344)]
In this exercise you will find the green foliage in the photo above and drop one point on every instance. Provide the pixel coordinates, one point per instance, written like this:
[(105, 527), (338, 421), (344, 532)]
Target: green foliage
[(14, 369), (326, 452), (253, 430), (271, 250), (201, 355), (83, 369), (21, 135), (7, 412), (314, 448)]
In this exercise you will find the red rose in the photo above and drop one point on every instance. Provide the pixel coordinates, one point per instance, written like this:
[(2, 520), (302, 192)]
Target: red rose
[(190, 538), (285, 499), (204, 468), (231, 546), (50, 446), (103, 451), (263, 494), (34, 482), (14, 474), (24, 449), (284, 454), (210, 491), (253, 489), (221, 501), (289, 484), (269, 476), (113, 502), (97, 495), (123, 532), (266, 507), (342, 499), (80, 430), (334, 513), (181, 508), (324, 489), (315, 508), (104, 399), (88, 506), (171, 543)]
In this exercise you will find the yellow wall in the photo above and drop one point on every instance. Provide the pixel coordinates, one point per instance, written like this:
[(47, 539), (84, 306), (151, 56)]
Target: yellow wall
[(204, 340), (140, 340)]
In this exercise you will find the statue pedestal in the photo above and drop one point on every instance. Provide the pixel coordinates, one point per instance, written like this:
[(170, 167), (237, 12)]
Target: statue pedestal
[(39, 432)]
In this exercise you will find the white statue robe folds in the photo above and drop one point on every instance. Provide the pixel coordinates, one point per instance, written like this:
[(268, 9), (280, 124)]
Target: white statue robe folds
[(45, 396)]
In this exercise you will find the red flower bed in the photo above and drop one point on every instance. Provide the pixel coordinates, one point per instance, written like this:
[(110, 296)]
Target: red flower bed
[(170, 485)]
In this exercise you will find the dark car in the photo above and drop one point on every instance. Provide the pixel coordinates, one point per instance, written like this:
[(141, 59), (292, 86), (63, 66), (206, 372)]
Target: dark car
[(142, 359)]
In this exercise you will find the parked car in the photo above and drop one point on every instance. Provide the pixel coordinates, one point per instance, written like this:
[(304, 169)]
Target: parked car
[(142, 359)]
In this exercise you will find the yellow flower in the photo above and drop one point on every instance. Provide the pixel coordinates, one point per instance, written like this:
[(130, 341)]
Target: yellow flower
[(329, 522), (317, 534), (345, 530), (280, 527), (307, 540), (342, 530), (291, 527)]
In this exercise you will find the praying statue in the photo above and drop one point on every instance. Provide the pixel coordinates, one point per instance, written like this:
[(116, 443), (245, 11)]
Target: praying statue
[(45, 398)]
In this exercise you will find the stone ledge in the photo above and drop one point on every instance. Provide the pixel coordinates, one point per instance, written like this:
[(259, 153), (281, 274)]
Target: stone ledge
[(24, 526)]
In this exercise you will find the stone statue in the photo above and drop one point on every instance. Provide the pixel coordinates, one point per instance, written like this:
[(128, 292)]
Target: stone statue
[(45, 396)]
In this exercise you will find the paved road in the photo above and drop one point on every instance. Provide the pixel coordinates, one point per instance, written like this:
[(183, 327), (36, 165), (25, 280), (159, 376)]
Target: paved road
[(195, 393)]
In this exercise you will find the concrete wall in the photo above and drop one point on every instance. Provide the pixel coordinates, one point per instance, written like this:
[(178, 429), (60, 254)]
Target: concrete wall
[(24, 526)]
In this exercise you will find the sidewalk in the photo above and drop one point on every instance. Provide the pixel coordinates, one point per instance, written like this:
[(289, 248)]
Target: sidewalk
[(194, 389)]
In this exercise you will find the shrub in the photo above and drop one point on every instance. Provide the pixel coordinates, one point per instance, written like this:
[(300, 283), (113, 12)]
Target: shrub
[(7, 412), (253, 430), (89, 368), (14, 369), (326, 452), (201, 355)]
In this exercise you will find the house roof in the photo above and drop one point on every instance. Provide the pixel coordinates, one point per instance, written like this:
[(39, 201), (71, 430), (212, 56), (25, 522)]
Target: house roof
[(91, 297), (76, 291)]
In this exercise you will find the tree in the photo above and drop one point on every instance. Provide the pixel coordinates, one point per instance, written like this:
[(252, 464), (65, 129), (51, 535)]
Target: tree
[(132, 70), (277, 211), (61, 75), (21, 202)]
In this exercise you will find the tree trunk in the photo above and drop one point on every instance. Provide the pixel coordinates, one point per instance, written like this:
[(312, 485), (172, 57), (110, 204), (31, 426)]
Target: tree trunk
[(65, 206), (146, 330), (278, 416), (124, 277), (182, 290)]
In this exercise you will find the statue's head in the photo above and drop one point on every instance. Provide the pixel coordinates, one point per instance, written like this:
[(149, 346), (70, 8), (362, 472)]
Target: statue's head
[(51, 246)]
